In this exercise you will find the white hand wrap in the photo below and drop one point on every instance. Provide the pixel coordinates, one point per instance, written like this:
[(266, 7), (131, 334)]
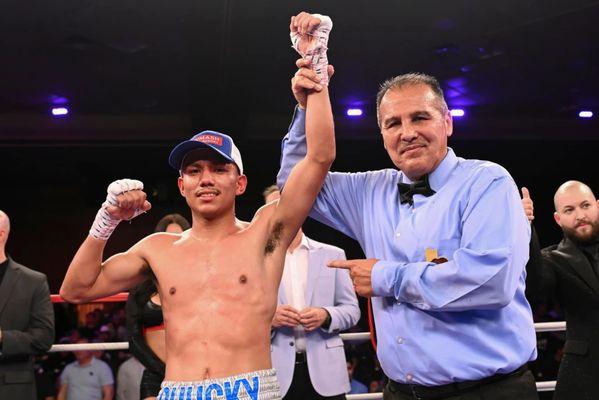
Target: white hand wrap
[(104, 224), (317, 52)]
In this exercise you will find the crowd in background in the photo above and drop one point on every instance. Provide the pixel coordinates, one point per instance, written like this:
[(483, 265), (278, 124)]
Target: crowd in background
[(104, 323)]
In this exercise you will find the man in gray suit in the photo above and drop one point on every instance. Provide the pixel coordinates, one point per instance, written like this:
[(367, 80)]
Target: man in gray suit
[(26, 322), (315, 303)]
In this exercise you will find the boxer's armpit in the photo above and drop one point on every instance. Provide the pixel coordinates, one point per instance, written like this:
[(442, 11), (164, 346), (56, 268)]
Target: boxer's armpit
[(274, 238)]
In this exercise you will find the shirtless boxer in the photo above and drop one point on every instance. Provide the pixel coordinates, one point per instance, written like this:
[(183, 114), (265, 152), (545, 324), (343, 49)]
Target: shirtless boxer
[(217, 281)]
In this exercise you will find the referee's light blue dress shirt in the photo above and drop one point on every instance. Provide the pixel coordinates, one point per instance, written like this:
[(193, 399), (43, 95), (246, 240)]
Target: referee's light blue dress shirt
[(464, 319)]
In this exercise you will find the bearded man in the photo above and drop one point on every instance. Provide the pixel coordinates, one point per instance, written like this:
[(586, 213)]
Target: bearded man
[(569, 273)]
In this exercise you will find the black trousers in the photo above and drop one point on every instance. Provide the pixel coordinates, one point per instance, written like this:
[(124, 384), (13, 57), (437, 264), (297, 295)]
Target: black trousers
[(519, 386), (301, 387)]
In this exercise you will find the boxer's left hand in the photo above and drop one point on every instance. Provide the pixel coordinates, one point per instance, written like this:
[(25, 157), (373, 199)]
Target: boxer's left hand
[(312, 317), (360, 272), (304, 24)]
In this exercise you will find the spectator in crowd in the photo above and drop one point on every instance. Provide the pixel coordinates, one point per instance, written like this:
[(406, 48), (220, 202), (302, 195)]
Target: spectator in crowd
[(118, 320), (87, 378), (92, 323), (356, 387), (172, 223), (128, 380), (112, 358)]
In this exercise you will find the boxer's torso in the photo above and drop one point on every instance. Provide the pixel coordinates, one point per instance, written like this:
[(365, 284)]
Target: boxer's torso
[(218, 299)]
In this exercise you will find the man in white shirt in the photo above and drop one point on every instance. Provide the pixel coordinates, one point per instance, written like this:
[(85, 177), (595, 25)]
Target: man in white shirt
[(314, 304)]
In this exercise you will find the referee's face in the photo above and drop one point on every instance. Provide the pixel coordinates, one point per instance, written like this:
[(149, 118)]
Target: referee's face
[(415, 129)]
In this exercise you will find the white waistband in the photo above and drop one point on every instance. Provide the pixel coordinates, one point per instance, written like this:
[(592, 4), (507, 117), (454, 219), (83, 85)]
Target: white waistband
[(257, 385)]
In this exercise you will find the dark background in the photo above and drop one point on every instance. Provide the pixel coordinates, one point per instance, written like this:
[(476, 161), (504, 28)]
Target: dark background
[(140, 77)]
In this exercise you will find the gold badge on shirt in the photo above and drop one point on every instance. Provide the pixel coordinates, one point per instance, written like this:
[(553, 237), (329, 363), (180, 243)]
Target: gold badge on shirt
[(432, 255)]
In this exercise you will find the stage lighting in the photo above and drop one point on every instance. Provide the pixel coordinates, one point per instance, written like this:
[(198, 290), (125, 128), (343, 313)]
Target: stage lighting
[(60, 111), (354, 112)]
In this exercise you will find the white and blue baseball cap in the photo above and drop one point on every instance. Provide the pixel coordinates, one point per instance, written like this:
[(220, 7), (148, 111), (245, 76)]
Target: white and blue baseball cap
[(219, 142)]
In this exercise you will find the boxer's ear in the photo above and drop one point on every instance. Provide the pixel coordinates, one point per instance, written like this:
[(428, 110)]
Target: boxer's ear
[(242, 182), (181, 186)]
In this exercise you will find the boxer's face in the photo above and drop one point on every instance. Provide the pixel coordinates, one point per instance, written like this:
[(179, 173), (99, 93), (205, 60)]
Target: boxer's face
[(414, 129), (577, 213), (210, 185)]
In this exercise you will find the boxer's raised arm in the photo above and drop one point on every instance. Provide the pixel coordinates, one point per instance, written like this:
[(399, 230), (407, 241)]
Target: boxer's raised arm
[(307, 176), (87, 277)]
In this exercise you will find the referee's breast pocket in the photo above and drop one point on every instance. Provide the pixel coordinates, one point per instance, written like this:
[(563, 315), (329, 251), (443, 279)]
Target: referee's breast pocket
[(447, 247)]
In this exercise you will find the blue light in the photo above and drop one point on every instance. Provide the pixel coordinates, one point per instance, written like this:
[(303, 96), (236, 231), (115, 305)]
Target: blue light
[(58, 100), (585, 114), (457, 112), (60, 111), (354, 112)]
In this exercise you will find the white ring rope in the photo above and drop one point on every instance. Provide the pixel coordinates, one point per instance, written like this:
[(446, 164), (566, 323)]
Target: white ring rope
[(364, 396), (545, 386), (89, 346), (550, 326)]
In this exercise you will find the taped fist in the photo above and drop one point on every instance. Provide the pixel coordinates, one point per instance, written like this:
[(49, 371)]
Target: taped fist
[(125, 200)]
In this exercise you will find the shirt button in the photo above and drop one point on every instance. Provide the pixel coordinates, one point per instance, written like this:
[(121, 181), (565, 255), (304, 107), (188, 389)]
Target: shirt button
[(409, 377), (400, 340), (398, 234), (290, 343)]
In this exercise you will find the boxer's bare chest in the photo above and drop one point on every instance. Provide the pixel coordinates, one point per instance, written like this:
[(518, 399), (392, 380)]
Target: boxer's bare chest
[(192, 271)]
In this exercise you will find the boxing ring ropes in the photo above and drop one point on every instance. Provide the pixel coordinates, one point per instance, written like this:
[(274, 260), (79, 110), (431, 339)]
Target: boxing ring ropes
[(545, 386)]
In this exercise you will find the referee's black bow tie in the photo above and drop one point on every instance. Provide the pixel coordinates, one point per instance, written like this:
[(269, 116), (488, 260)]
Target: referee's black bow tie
[(407, 190)]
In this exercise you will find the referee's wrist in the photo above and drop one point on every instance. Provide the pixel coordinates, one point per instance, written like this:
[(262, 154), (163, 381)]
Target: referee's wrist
[(327, 321)]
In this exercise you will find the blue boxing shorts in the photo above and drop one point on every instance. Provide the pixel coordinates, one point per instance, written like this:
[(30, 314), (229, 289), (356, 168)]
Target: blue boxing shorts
[(258, 385)]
